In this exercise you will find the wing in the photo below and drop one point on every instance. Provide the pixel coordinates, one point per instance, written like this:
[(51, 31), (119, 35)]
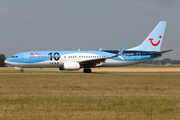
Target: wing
[(94, 62)]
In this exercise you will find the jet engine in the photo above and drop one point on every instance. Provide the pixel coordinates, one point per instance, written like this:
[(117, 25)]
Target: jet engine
[(70, 66)]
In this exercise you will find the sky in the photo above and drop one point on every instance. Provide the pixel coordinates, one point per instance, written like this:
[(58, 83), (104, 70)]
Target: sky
[(31, 25)]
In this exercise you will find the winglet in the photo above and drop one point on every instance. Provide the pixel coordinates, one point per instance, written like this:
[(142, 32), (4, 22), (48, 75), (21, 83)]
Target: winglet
[(121, 51)]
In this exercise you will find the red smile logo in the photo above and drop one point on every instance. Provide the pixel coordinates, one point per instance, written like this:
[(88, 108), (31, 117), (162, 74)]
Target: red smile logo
[(155, 44)]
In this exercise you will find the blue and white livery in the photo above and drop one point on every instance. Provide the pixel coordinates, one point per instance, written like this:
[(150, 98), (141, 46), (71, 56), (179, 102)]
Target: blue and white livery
[(75, 60)]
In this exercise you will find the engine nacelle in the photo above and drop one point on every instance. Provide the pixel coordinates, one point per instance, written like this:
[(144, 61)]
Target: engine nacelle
[(70, 66)]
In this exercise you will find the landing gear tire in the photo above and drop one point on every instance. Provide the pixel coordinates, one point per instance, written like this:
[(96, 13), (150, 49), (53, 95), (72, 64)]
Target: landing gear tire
[(21, 70), (87, 70)]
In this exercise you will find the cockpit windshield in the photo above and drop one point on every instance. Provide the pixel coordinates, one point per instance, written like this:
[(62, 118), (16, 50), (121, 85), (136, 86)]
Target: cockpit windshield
[(14, 56)]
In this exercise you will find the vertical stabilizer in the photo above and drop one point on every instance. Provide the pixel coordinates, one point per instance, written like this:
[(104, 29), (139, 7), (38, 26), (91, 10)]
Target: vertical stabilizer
[(154, 40)]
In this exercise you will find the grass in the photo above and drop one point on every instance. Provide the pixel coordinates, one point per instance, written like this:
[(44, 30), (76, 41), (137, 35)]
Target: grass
[(90, 96)]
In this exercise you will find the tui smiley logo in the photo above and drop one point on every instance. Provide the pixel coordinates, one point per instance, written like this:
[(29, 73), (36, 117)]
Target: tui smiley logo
[(155, 44)]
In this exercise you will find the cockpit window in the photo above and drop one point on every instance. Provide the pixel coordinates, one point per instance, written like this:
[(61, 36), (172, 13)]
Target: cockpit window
[(14, 56)]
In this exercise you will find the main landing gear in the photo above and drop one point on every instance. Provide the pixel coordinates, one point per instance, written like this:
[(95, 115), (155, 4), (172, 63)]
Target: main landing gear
[(21, 70), (87, 70)]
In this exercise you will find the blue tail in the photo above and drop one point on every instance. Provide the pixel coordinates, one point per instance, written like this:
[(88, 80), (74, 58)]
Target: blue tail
[(154, 40)]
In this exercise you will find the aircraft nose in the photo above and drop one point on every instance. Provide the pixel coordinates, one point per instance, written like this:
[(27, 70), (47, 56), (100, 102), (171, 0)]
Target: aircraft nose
[(6, 62)]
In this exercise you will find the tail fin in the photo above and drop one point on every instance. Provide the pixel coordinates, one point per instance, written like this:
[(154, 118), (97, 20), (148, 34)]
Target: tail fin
[(154, 40)]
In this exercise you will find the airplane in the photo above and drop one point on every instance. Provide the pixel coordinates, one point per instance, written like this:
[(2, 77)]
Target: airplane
[(75, 60)]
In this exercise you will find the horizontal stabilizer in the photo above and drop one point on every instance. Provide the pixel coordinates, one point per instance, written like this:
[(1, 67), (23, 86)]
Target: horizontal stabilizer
[(160, 52)]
